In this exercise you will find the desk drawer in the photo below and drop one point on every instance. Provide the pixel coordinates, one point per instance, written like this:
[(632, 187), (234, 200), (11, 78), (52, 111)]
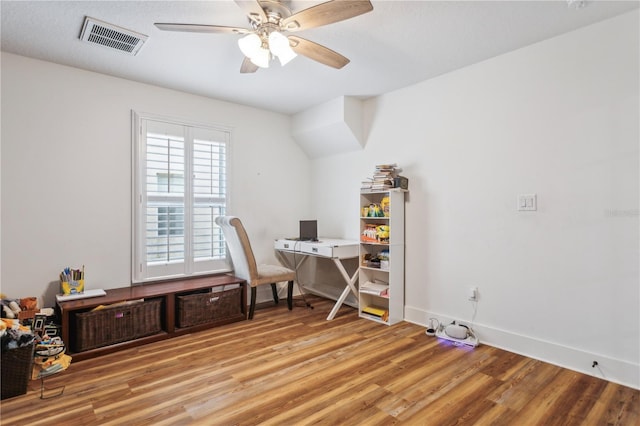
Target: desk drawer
[(328, 250), (288, 245)]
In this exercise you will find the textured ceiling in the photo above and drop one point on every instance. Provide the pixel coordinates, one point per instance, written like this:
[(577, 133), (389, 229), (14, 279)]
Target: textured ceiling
[(398, 44)]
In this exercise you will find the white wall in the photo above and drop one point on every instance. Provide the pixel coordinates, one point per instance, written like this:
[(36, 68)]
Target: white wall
[(66, 172), (559, 119)]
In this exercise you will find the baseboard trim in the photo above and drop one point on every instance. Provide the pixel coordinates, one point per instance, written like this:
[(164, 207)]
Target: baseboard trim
[(614, 370)]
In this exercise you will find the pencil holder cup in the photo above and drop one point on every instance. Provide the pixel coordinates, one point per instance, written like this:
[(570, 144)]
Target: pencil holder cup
[(72, 287)]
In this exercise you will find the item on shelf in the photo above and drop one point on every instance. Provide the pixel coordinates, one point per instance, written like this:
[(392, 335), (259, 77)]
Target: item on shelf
[(379, 261), (374, 210), (370, 233), (384, 206), (384, 177), (377, 288), (401, 182), (370, 261), (87, 294), (375, 312), (72, 281), (373, 233), (382, 233), (384, 259)]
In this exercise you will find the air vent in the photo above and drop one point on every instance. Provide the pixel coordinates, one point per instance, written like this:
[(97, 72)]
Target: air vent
[(112, 36)]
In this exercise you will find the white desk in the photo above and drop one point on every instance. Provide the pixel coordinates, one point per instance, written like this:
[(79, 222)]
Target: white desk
[(331, 248)]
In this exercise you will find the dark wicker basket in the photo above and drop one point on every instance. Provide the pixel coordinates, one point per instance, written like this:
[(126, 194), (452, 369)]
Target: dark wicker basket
[(210, 307), (116, 324), (16, 370)]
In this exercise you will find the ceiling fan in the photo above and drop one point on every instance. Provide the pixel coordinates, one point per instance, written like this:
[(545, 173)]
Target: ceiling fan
[(269, 19)]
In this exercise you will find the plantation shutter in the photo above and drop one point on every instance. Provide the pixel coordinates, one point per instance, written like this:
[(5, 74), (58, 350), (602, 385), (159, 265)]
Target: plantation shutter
[(182, 188)]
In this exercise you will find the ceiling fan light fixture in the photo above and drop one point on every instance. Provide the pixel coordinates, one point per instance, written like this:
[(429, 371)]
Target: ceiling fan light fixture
[(269, 19), (286, 57), (250, 45), (280, 47), (261, 58)]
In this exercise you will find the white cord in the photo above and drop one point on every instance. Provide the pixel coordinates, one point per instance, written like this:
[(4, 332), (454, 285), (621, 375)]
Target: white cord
[(474, 303)]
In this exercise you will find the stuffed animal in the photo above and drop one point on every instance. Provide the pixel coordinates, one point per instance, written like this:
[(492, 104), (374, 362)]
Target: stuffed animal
[(7, 312), (382, 232), (29, 303), (10, 308)]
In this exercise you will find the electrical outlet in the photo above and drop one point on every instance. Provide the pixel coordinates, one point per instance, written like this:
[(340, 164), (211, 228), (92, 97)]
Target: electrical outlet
[(527, 202), (473, 294)]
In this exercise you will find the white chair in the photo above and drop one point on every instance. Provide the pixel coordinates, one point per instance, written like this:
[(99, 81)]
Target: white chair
[(244, 263)]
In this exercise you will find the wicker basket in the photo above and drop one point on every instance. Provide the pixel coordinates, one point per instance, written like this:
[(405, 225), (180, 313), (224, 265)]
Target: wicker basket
[(116, 324), (210, 307), (16, 370)]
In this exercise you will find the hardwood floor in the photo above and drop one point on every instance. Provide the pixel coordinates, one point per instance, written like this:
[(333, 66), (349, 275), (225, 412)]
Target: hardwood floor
[(295, 368)]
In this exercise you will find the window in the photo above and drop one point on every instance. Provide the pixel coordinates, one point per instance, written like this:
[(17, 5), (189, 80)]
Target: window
[(180, 187), (170, 221)]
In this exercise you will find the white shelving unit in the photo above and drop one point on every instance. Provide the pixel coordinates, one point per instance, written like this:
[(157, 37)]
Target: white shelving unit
[(387, 275)]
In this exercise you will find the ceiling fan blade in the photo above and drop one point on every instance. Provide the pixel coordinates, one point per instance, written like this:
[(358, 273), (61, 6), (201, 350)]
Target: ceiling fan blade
[(253, 9), (317, 52), (248, 66), (195, 28), (326, 13)]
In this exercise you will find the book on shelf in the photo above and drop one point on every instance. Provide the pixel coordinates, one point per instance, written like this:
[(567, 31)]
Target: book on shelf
[(381, 186), (382, 179), (375, 288), (366, 185), (377, 313)]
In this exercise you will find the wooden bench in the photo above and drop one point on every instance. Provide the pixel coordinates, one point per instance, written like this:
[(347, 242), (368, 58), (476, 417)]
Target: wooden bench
[(166, 290)]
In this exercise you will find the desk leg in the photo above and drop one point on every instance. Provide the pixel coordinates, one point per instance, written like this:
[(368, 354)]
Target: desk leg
[(349, 287), (291, 265)]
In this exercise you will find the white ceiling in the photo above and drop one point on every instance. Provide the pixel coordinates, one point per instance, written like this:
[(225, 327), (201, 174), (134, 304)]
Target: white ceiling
[(398, 44)]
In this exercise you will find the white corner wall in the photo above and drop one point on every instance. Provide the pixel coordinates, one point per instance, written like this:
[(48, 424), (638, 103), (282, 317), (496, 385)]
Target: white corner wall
[(560, 119), (66, 172), (333, 127)]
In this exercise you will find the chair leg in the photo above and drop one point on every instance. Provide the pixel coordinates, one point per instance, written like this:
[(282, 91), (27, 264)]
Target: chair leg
[(252, 306), (274, 290), (290, 295)]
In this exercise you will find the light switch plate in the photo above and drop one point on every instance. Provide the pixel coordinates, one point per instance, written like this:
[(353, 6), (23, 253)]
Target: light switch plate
[(527, 202)]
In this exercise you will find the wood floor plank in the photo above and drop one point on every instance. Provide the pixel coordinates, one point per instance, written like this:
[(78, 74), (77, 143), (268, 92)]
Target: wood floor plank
[(532, 378), (456, 404), (296, 368), (553, 402), (616, 405)]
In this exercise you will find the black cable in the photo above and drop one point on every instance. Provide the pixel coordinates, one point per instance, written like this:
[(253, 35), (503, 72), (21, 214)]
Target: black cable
[(295, 264)]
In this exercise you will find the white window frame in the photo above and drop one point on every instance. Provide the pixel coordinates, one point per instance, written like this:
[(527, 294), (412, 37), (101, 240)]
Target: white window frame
[(143, 271)]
